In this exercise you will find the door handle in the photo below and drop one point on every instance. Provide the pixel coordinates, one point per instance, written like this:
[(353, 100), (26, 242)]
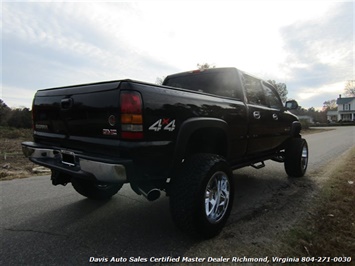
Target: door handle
[(256, 115), (275, 116), (66, 103)]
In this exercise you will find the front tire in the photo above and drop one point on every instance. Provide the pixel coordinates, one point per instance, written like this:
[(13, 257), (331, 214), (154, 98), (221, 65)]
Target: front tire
[(202, 195), (296, 157), (95, 190)]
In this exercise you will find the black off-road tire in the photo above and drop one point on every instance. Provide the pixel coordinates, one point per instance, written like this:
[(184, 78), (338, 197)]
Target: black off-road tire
[(296, 157), (193, 193), (95, 190)]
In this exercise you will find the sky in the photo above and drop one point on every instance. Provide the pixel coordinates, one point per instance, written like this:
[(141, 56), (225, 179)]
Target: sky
[(308, 45)]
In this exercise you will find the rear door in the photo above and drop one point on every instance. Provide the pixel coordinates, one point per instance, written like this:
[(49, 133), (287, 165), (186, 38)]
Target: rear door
[(281, 121), (262, 118)]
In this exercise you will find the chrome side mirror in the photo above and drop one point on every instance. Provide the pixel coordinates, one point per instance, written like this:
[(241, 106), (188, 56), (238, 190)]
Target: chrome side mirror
[(291, 105)]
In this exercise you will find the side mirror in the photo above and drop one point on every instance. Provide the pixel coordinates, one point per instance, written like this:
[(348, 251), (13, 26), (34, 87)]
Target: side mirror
[(291, 105)]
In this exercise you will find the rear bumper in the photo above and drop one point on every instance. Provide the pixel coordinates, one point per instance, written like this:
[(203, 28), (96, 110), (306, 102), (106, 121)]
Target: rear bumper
[(78, 165)]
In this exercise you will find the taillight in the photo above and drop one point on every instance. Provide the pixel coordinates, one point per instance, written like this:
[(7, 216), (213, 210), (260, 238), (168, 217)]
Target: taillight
[(131, 115)]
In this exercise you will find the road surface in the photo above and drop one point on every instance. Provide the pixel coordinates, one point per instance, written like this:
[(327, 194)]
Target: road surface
[(46, 225)]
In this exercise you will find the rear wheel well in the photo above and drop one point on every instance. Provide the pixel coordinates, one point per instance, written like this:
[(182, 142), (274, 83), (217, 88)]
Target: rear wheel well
[(207, 140)]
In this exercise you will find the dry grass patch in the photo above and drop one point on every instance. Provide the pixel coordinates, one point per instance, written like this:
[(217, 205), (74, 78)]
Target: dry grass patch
[(330, 229), (13, 163)]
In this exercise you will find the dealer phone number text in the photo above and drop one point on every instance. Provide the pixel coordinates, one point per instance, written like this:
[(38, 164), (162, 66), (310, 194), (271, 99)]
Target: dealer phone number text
[(326, 259)]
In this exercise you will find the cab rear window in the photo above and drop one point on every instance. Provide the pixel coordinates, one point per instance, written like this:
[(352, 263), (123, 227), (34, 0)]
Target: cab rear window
[(222, 83)]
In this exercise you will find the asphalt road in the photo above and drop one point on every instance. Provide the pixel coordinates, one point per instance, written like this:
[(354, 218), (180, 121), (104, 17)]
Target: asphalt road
[(46, 225)]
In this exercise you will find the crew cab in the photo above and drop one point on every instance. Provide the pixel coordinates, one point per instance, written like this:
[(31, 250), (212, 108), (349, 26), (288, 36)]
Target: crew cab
[(184, 137)]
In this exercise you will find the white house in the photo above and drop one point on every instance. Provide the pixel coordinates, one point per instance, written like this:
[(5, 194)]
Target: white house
[(332, 116), (346, 110)]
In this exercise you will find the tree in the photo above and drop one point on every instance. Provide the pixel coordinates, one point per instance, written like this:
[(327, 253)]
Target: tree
[(205, 66), (281, 89), (20, 118), (318, 116), (159, 80), (350, 88), (4, 113), (330, 105)]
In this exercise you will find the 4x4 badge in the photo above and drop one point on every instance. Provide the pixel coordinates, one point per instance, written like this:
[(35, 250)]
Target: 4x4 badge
[(164, 124)]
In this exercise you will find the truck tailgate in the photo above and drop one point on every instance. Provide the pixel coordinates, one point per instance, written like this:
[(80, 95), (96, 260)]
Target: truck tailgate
[(77, 111)]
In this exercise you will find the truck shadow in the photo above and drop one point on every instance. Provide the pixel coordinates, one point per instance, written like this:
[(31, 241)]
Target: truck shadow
[(258, 193), (130, 226)]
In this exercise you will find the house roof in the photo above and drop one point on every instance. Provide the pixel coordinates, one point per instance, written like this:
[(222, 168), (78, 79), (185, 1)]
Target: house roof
[(345, 100)]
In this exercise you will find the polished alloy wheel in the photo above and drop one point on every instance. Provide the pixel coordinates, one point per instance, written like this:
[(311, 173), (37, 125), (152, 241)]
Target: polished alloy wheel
[(304, 158), (217, 197)]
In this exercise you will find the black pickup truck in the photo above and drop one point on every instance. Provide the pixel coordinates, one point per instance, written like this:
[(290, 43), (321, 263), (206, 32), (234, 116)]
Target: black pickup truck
[(184, 137)]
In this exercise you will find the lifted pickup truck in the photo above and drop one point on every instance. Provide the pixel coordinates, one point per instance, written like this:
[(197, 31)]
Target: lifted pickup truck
[(184, 137)]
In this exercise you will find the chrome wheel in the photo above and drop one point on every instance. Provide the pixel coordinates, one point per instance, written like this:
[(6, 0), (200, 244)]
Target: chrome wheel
[(296, 157), (304, 158), (217, 197), (201, 195)]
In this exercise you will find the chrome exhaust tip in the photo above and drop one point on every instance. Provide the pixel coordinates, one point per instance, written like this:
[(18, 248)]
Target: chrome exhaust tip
[(150, 194)]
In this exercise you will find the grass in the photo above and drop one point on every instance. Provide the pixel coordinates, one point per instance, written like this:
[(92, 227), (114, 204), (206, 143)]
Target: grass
[(15, 133), (13, 163), (330, 229)]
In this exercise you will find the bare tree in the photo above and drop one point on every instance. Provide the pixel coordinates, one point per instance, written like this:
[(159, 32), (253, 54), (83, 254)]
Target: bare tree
[(159, 80), (205, 66), (281, 89), (350, 88), (330, 105)]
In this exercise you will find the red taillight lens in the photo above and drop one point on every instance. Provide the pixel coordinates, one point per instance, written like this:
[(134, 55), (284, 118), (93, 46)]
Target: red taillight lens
[(132, 135), (131, 103), (131, 115)]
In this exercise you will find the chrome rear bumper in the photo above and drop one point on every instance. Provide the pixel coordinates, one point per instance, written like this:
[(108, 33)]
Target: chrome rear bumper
[(75, 164)]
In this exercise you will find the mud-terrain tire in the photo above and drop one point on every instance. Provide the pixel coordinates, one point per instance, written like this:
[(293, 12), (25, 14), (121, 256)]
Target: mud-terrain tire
[(201, 195), (296, 157), (95, 190)]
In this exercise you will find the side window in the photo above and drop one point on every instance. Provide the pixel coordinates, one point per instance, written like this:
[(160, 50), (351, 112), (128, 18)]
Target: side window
[(254, 90), (272, 98)]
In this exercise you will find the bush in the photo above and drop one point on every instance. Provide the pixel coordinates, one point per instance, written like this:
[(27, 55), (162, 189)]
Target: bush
[(305, 124), (17, 118), (20, 118)]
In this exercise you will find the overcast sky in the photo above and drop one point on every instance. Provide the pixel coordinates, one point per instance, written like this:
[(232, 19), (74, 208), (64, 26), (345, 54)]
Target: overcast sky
[(309, 45)]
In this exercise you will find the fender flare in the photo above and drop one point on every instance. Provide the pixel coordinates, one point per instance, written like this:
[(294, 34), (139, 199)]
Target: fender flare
[(296, 129), (190, 126)]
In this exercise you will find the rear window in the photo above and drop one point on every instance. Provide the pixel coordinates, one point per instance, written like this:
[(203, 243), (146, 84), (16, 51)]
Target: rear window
[(222, 83)]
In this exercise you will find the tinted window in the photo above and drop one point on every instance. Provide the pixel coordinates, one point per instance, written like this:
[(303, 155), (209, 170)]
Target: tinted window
[(254, 90), (222, 83), (272, 97)]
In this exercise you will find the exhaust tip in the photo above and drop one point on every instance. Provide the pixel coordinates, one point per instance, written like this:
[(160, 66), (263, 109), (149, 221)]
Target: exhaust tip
[(154, 194), (151, 195)]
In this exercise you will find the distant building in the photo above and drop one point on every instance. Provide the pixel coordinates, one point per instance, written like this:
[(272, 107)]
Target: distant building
[(332, 116), (306, 118), (345, 111)]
